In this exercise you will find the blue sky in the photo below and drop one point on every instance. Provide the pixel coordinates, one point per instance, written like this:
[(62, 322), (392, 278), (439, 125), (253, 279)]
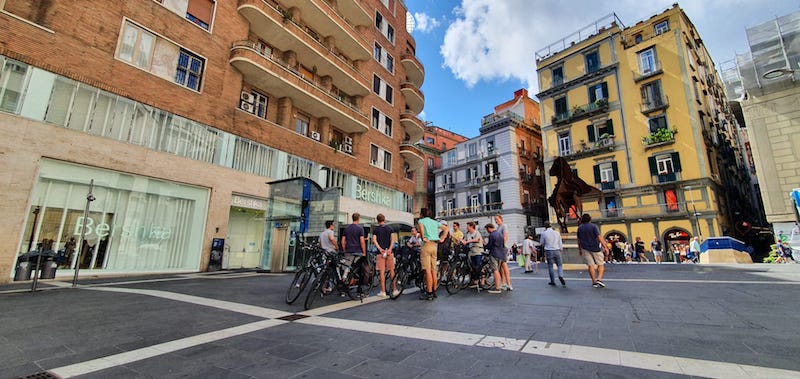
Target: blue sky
[(476, 53)]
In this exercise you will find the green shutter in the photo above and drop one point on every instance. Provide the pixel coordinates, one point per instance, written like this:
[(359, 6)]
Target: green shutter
[(610, 127), (605, 90), (590, 132), (653, 165), (676, 162), (597, 173), (615, 170)]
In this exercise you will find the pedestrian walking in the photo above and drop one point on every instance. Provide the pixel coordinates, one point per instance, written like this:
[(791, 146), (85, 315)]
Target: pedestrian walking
[(640, 252), (694, 249), (383, 238), (552, 244), (657, 249), (505, 273), (430, 230), (591, 248), (529, 254)]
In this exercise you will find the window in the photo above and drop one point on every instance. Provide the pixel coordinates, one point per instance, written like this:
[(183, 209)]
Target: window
[(256, 104), (592, 62), (647, 61), (596, 132), (665, 166), (384, 27), (472, 149), (472, 172), (492, 168), (598, 91), (430, 163), (606, 173), (661, 27), (651, 95), (200, 12), (474, 201), (382, 56), (564, 144), (451, 204), (136, 46), (430, 141), (380, 158), (493, 198), (451, 158), (301, 125), (12, 85), (490, 146), (190, 70), (382, 122), (561, 106), (657, 123), (637, 38), (671, 199), (382, 89), (558, 76)]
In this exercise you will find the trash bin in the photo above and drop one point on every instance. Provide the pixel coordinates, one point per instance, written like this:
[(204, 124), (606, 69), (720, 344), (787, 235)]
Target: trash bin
[(48, 270), (23, 271)]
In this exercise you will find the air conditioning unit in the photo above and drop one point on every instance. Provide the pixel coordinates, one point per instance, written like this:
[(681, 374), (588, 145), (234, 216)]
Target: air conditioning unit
[(245, 106), (348, 140), (247, 97), (348, 149), (315, 136)]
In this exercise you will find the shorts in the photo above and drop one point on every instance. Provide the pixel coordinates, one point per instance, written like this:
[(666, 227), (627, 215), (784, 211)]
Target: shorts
[(428, 256), (593, 258), (494, 263), (382, 263), (656, 253)]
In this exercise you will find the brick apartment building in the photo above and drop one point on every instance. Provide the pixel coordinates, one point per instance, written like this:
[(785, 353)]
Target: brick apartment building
[(436, 141), (181, 111)]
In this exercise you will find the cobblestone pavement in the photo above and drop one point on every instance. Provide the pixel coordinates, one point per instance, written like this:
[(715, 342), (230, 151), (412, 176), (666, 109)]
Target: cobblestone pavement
[(736, 321)]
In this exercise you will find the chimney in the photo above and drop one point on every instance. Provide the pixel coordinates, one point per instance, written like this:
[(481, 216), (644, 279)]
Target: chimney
[(520, 93)]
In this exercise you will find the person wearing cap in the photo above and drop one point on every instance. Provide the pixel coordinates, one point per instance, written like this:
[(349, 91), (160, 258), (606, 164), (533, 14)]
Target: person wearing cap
[(552, 244), (430, 229), (445, 244)]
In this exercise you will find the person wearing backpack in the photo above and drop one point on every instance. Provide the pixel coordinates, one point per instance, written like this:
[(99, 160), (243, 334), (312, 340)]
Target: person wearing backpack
[(383, 238)]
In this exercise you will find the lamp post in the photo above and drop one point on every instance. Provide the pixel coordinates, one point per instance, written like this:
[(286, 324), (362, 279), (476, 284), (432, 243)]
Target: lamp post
[(89, 199)]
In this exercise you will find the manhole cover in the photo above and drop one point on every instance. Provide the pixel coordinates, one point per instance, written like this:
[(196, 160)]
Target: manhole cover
[(40, 375), (292, 317)]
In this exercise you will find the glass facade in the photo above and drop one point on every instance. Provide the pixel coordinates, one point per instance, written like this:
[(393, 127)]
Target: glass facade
[(135, 223)]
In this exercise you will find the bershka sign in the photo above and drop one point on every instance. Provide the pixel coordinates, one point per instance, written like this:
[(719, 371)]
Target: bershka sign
[(103, 229), (373, 195), (248, 202)]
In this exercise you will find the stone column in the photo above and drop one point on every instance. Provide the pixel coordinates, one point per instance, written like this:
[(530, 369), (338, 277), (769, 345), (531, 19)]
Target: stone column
[(285, 112), (324, 129)]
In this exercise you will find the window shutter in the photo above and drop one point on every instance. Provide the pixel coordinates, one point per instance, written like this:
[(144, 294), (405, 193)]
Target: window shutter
[(615, 170), (610, 127), (605, 90), (201, 9), (590, 132), (592, 96), (597, 173), (676, 162), (653, 165)]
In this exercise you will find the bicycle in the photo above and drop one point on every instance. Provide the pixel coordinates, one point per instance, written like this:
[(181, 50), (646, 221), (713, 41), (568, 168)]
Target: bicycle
[(407, 271), (460, 273), (313, 267), (354, 285)]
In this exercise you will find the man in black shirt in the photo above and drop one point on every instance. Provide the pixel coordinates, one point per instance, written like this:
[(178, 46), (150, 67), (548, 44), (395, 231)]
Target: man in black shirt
[(384, 239)]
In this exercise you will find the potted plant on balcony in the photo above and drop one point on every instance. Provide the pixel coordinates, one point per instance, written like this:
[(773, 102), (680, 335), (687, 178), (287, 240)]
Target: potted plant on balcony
[(601, 102), (576, 110), (659, 136)]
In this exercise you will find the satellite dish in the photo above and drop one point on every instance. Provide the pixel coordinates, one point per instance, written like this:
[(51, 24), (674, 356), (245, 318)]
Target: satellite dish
[(410, 23)]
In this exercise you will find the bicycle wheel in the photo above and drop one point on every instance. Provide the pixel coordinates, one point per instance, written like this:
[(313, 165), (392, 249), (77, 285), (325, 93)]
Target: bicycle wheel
[(486, 277), (301, 279), (401, 279), (317, 290), (459, 278)]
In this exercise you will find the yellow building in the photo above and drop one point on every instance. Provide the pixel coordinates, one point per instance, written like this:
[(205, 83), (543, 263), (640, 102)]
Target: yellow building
[(639, 112)]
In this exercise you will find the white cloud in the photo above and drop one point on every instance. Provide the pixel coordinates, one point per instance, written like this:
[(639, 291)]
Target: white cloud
[(492, 40), (424, 22)]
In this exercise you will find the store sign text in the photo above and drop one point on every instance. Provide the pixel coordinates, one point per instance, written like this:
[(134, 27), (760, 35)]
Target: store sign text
[(247, 202), (103, 229), (373, 196)]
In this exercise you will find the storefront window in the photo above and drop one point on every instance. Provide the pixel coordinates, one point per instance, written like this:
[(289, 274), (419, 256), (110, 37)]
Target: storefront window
[(135, 223)]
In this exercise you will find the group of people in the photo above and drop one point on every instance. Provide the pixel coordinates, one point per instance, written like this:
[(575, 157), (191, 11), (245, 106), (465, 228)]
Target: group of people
[(625, 252)]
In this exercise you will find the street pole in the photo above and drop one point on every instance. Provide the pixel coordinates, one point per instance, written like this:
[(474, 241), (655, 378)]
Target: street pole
[(30, 248), (694, 213), (89, 199)]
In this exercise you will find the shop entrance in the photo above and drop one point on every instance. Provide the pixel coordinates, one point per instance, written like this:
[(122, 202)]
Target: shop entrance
[(245, 238)]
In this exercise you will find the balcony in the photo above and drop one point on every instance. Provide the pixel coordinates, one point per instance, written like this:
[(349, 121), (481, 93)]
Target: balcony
[(608, 186), (274, 76), (489, 178), (654, 105), (603, 145), (581, 112), (474, 210), (415, 101), (268, 23), (412, 155), (667, 177), (327, 21), (414, 70), (660, 137), (447, 187), (647, 72), (413, 126), (500, 119)]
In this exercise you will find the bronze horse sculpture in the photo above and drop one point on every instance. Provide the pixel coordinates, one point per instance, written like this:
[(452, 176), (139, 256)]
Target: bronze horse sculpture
[(568, 192)]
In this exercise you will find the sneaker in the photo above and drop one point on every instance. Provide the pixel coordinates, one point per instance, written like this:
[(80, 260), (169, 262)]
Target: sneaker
[(504, 287), (473, 286), (509, 288), (396, 293), (600, 283), (551, 283), (563, 283), (381, 294), (494, 291), (423, 296), (433, 295), (596, 285)]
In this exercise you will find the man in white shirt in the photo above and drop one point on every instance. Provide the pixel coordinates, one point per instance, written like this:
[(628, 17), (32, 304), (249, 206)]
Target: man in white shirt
[(552, 244), (529, 251)]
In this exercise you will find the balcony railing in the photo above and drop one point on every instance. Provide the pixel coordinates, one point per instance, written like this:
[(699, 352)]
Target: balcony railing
[(654, 105), (606, 186), (646, 72), (659, 137), (491, 118), (581, 112), (472, 210), (602, 145), (447, 187)]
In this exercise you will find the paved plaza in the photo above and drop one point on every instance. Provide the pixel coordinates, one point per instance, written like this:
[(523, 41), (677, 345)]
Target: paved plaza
[(654, 321)]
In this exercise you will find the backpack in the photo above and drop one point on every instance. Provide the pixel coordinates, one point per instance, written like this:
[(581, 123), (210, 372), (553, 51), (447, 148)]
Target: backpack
[(363, 271)]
